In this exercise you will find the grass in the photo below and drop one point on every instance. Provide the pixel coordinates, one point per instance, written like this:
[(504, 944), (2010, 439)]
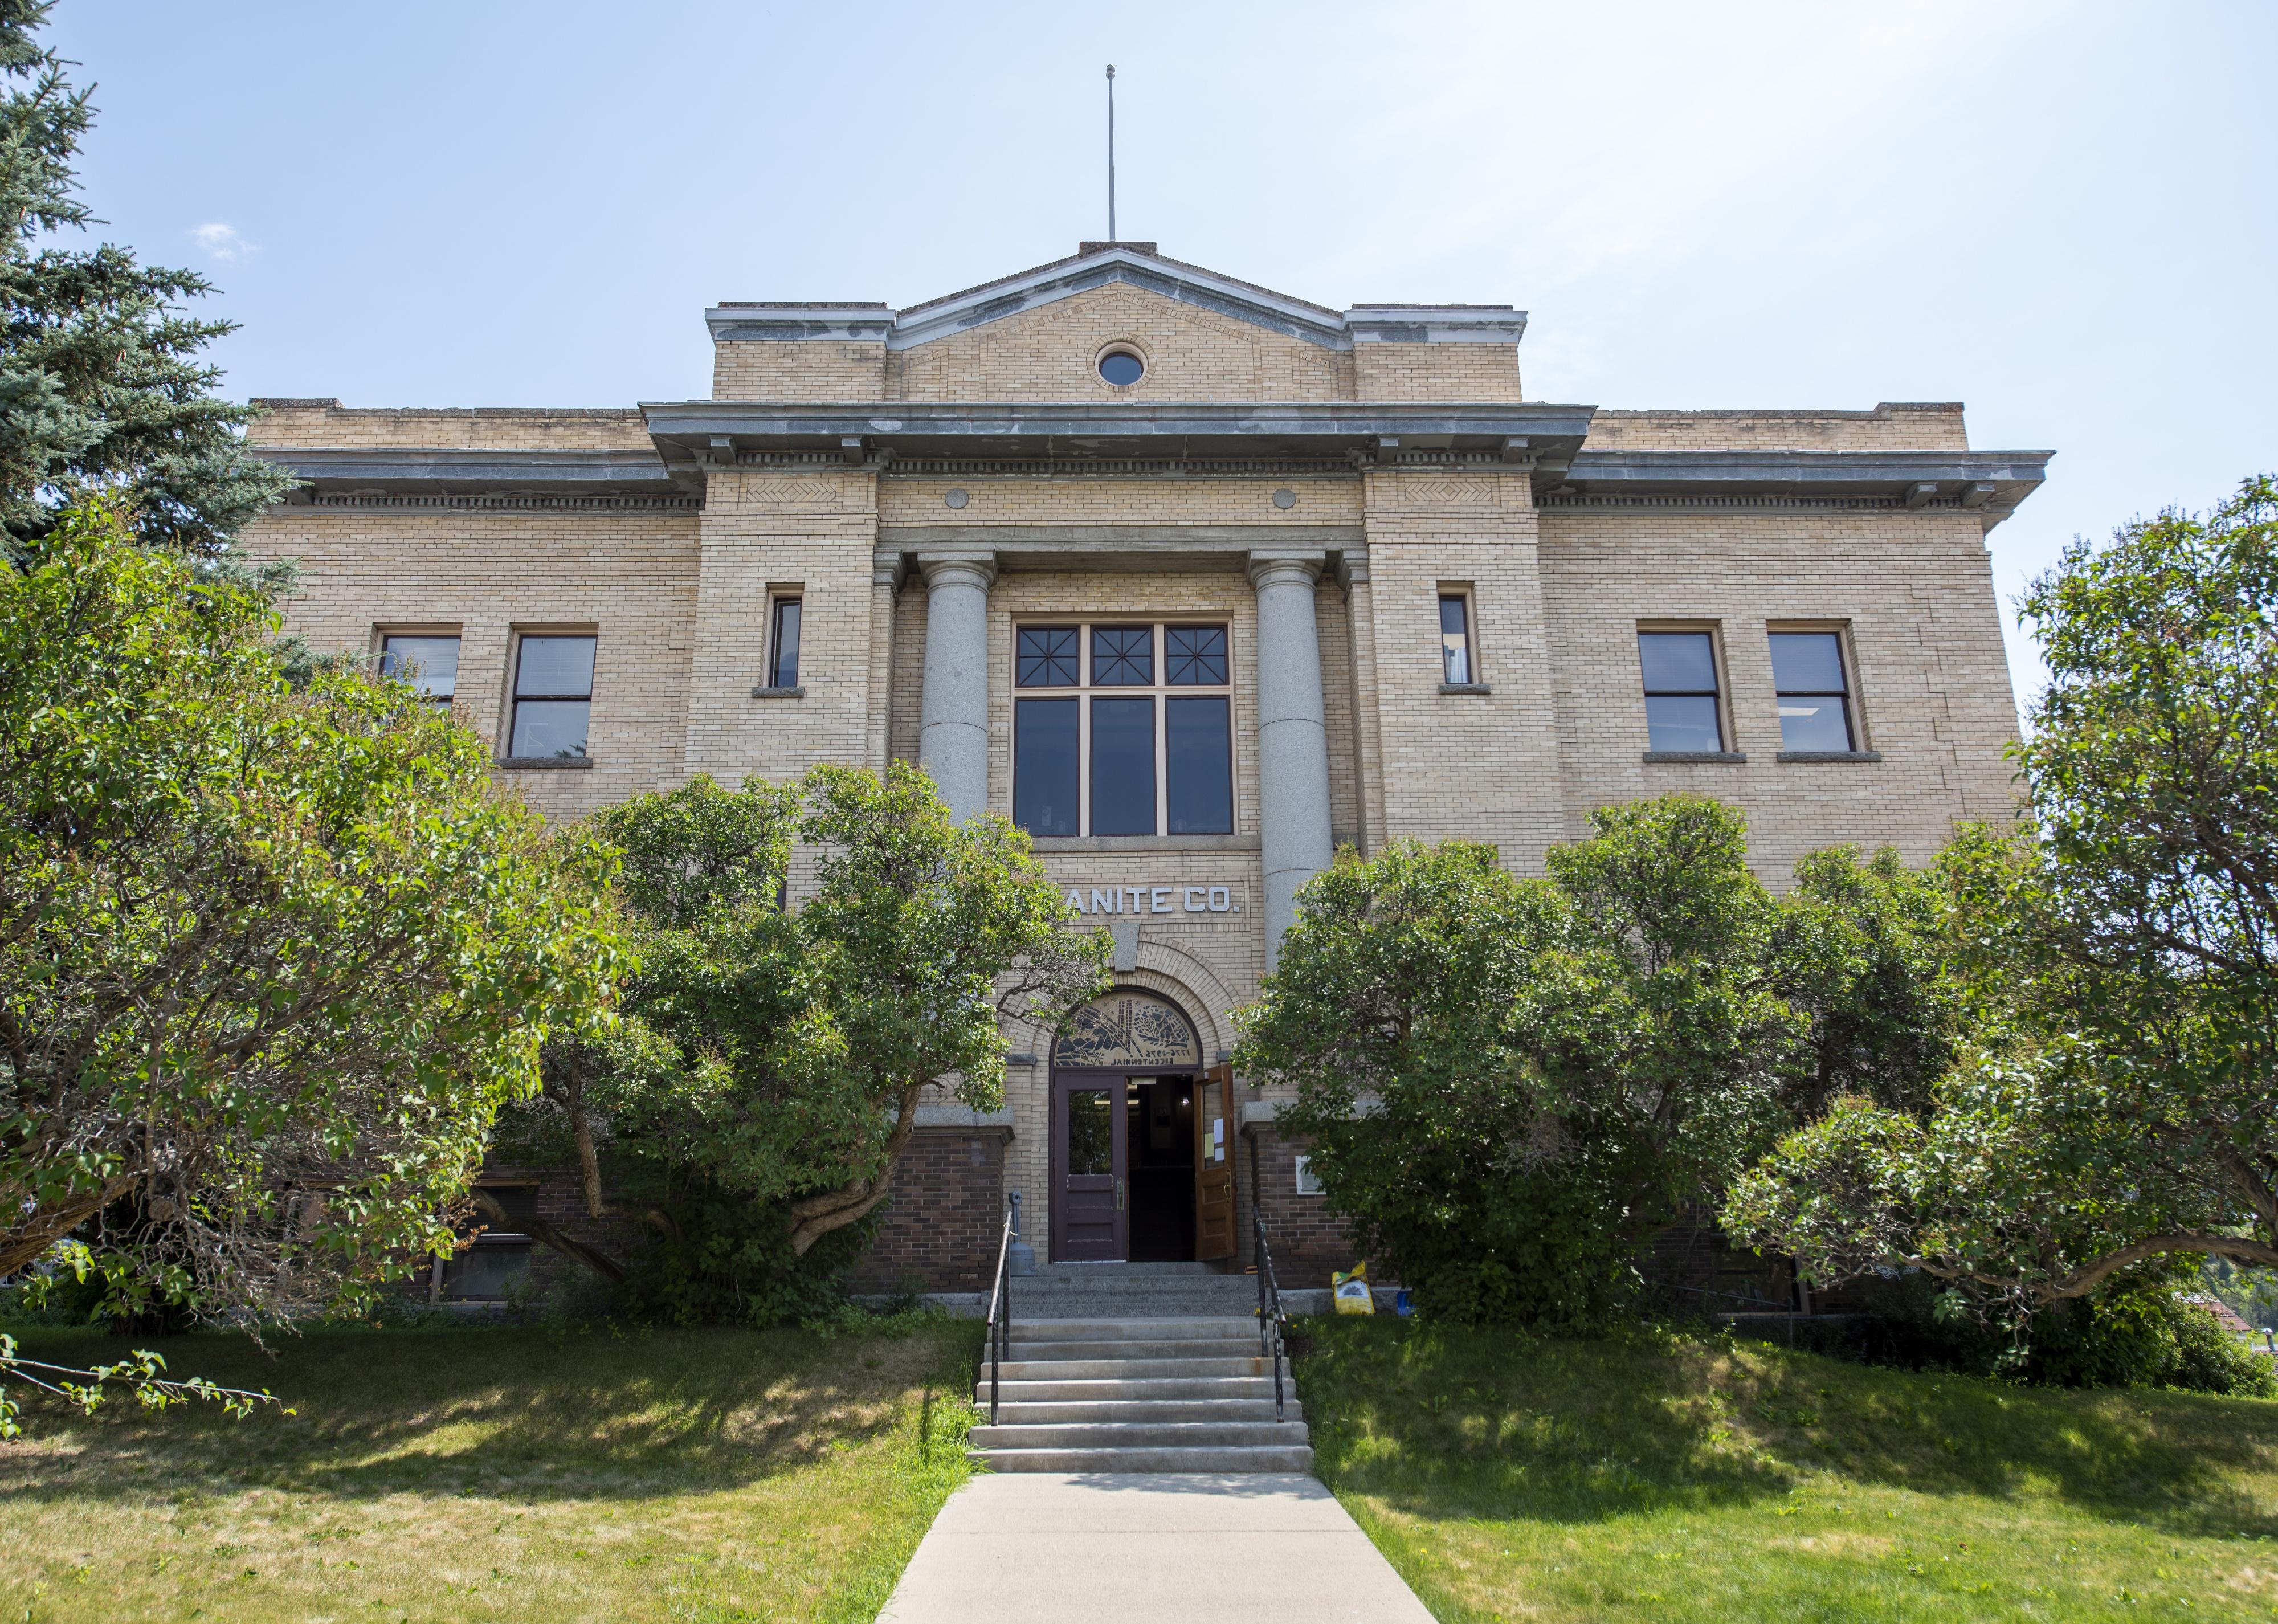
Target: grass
[(1668, 1477), (492, 1474)]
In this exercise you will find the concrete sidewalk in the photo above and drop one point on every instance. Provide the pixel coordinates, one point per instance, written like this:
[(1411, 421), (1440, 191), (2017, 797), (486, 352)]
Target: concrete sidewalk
[(1147, 1548)]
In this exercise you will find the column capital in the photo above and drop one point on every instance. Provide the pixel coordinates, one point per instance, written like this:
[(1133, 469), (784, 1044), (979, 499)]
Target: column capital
[(1279, 568), (958, 569)]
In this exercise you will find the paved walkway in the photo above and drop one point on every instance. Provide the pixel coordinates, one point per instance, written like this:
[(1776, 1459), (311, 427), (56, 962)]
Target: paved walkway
[(1147, 1548)]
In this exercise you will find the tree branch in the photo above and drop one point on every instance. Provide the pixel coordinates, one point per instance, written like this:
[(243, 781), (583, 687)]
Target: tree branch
[(546, 1235), (817, 1215)]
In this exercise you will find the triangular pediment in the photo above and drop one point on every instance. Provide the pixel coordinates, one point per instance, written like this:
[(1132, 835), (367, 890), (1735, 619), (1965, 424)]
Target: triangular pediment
[(1108, 264)]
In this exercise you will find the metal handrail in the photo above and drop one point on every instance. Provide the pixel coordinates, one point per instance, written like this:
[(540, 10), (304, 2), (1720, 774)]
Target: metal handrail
[(1000, 1315), (1272, 1322)]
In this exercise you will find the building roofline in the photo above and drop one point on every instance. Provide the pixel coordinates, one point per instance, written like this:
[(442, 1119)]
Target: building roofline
[(1101, 264)]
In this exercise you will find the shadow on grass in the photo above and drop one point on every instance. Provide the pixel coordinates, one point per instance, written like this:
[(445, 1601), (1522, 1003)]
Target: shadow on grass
[(1450, 1422), (517, 1413)]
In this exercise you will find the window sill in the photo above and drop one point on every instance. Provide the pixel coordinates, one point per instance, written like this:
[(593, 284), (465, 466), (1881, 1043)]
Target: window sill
[(1829, 756), (778, 693), (1726, 758), (1051, 844), (539, 763), (1464, 688)]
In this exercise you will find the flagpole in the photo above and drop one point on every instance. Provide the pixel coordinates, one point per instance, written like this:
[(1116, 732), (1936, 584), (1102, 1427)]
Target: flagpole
[(1111, 152)]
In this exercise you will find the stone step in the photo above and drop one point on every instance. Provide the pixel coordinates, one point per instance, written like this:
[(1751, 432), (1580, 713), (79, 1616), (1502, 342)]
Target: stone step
[(1047, 1413), (1141, 1434), (1125, 1271), (1122, 1306), (1155, 1328), (1138, 1285), (1086, 1390), (1126, 1370), (1199, 1459), (1131, 1347)]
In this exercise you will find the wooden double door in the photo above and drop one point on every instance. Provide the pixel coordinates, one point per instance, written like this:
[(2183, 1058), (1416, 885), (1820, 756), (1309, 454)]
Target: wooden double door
[(1143, 1165)]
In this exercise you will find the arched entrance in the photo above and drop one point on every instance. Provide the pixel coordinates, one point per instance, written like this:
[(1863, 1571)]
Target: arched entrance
[(1141, 1151)]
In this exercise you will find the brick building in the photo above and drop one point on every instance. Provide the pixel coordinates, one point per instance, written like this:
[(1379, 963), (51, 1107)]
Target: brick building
[(1196, 581)]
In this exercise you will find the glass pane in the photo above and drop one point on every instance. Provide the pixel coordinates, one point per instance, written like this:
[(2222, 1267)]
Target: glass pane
[(1682, 721), (555, 667), (1091, 1133), (1121, 367), (785, 674), (1808, 661), (549, 727), (1455, 641), (430, 664), (1199, 765), (1044, 765), (1123, 767), (1677, 662), (1122, 656), (1044, 657), (1814, 724), (1194, 657)]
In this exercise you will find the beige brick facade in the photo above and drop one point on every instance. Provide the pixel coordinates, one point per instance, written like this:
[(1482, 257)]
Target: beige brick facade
[(1388, 449)]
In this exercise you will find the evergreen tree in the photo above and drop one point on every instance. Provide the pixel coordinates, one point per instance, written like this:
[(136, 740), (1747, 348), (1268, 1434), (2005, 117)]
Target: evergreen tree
[(101, 379)]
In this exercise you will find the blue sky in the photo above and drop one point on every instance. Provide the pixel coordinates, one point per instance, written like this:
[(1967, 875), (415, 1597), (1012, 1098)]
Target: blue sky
[(2060, 214)]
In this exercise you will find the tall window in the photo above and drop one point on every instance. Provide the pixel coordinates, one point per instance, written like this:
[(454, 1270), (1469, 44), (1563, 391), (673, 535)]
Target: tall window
[(552, 695), (1814, 701), (1680, 690), (782, 657), (1137, 740), (430, 664), (1456, 663)]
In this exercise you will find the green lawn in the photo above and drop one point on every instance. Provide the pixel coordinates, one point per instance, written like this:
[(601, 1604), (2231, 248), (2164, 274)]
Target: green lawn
[(1667, 1477), (493, 1474)]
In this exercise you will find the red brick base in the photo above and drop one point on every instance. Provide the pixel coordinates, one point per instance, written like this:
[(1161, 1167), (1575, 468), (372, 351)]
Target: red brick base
[(1308, 1242), (944, 1219)]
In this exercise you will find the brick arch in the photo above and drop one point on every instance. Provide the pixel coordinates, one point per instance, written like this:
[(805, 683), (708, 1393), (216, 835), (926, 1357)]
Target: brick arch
[(1189, 983)]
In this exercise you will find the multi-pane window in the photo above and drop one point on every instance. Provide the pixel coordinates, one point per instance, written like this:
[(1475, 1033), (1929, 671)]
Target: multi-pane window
[(430, 664), (553, 696), (1123, 730), (1456, 663), (782, 644), (1815, 701), (1680, 690)]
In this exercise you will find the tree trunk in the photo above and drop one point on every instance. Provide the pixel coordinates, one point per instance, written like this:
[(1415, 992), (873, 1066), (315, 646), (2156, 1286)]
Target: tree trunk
[(546, 1235), (817, 1215)]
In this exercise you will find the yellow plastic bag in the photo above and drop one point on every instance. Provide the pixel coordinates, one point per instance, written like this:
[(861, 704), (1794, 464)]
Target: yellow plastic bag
[(1350, 1291)]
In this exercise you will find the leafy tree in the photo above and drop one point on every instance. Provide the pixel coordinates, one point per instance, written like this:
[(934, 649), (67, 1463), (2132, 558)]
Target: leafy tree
[(1510, 1083), (101, 385), (2118, 1103), (271, 957), (766, 1076)]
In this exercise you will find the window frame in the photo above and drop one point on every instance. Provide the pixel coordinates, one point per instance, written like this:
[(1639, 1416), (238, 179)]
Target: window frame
[(1461, 594), (1855, 712), (384, 633), (1160, 690), (1727, 740), (779, 599), (514, 697)]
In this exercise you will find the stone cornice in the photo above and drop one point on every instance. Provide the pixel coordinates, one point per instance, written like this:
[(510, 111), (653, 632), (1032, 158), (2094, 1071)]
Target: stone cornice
[(366, 472), (1531, 434), (1988, 484)]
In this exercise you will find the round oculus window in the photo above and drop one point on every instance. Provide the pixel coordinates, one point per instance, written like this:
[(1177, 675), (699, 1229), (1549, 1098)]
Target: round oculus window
[(1121, 367)]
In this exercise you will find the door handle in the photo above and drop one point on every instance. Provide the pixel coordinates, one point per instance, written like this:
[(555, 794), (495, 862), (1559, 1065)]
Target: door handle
[(1118, 1195)]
